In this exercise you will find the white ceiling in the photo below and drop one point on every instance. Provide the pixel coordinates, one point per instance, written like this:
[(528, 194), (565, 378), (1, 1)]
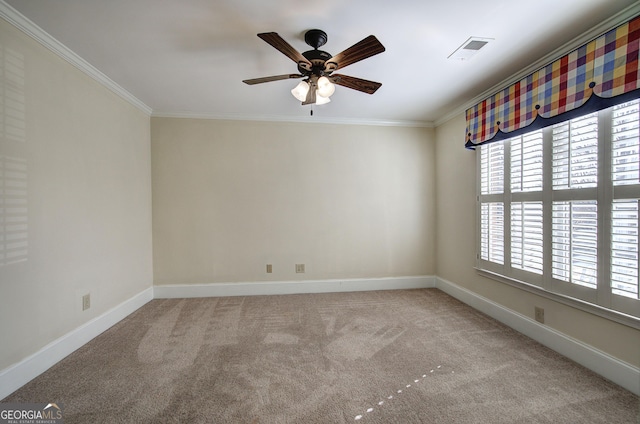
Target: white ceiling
[(188, 57)]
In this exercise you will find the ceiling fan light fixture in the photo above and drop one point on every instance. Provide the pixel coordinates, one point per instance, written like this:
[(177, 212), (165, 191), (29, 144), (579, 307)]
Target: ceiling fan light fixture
[(314, 65), (325, 87), (300, 91), (321, 100)]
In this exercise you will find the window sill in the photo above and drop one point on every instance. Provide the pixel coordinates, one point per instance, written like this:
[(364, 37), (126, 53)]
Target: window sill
[(619, 317)]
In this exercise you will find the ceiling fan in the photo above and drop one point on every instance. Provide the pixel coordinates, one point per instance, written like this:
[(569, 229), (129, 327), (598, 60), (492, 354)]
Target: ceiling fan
[(317, 66)]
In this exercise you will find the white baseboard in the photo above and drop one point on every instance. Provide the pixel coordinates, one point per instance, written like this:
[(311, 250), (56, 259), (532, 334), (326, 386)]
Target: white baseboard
[(16, 376), (292, 287), (611, 368)]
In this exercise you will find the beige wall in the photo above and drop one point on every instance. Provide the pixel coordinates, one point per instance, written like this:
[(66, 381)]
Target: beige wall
[(455, 241), (77, 197), (348, 201)]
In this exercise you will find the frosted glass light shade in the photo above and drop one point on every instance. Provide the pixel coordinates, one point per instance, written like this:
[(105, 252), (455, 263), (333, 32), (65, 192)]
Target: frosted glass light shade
[(320, 100), (300, 91), (325, 87)]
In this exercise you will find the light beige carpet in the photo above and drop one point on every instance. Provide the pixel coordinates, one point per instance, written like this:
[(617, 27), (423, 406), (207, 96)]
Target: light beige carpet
[(407, 356)]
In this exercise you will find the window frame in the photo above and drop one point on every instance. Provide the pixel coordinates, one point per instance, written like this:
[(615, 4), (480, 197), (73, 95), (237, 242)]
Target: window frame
[(599, 301)]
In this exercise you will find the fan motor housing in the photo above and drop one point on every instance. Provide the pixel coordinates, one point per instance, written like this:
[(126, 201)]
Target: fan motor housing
[(317, 59), (316, 38)]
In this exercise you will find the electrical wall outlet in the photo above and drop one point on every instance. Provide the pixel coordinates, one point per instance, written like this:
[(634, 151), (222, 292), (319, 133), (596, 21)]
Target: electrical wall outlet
[(539, 314), (269, 268), (86, 301), (299, 268)]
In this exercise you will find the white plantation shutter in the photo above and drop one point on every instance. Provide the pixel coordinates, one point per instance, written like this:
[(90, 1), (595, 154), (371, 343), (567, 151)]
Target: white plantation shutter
[(526, 236), (625, 171), (575, 242), (625, 144), (559, 209), (624, 248), (492, 229), (575, 153), (492, 213), (492, 166), (526, 162), (574, 230), (526, 176)]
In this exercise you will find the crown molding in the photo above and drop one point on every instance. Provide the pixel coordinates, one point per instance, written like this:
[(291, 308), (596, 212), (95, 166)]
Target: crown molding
[(606, 25), (25, 25), (294, 119)]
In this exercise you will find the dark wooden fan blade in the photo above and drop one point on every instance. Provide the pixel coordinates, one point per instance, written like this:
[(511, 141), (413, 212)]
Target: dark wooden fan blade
[(272, 78), (359, 84), (285, 48), (368, 47)]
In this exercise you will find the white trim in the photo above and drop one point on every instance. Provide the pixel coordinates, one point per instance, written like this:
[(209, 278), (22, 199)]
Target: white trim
[(295, 119), (592, 308), (611, 368), (15, 18), (292, 287), (595, 32), (16, 376)]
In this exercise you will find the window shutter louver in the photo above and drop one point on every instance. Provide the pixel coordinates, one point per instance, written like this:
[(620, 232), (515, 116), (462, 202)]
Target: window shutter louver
[(492, 229), (624, 248), (526, 162), (625, 171), (575, 242), (575, 153), (526, 236), (625, 149), (492, 164)]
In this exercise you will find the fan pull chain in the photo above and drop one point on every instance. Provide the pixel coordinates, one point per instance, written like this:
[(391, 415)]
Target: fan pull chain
[(311, 110)]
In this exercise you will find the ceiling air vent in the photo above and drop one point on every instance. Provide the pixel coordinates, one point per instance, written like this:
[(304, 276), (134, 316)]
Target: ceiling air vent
[(469, 48)]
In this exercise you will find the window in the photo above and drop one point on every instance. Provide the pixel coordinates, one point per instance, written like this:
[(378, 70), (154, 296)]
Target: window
[(559, 210)]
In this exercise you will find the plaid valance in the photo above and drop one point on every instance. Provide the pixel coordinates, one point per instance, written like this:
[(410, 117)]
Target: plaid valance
[(606, 67)]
